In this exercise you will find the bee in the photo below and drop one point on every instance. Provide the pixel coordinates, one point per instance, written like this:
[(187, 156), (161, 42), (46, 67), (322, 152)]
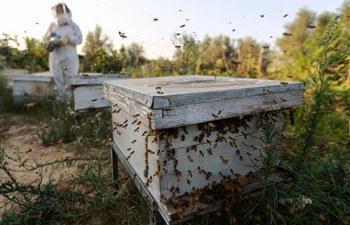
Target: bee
[(233, 30), (200, 152), (122, 34), (133, 141), (220, 111), (117, 111), (131, 153), (245, 134), (221, 175), (128, 149), (189, 173), (138, 123), (262, 15), (241, 158), (199, 169), (224, 159), (85, 74), (178, 34), (185, 130), (183, 25), (284, 83), (231, 170), (136, 115), (268, 91), (149, 181), (150, 151), (183, 137), (311, 26), (29, 150), (143, 134), (210, 151), (189, 158), (215, 116), (285, 15), (287, 34), (94, 100), (283, 99), (133, 122), (249, 154), (238, 152), (23, 163), (155, 19), (274, 101), (158, 88), (188, 182), (160, 92), (178, 46), (209, 142), (290, 76), (137, 129)]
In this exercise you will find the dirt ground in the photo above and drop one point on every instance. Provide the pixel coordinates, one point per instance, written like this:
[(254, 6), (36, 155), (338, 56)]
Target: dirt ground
[(25, 150)]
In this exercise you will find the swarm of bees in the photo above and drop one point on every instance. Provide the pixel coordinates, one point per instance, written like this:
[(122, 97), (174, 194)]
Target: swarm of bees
[(184, 192)]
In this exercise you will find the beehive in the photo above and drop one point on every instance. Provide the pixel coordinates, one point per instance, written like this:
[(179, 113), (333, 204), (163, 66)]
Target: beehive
[(88, 91), (185, 132), (29, 87)]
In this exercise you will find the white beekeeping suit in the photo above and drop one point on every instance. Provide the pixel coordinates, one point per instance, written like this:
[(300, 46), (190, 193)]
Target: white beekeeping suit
[(61, 39)]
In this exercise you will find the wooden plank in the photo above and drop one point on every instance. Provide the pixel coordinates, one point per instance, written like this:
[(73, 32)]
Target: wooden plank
[(93, 79), (89, 97), (218, 110)]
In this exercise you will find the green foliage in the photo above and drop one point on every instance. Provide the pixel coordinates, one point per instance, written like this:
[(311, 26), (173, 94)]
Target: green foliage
[(99, 54), (34, 57)]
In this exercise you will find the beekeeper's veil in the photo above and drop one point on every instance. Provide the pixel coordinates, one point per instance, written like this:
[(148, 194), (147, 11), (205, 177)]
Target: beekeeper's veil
[(62, 14)]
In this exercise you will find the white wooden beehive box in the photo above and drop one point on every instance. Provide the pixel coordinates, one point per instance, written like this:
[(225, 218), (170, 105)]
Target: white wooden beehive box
[(185, 132), (32, 86), (88, 91)]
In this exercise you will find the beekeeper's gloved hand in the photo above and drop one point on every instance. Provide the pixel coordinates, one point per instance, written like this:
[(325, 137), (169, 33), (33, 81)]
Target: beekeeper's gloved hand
[(64, 40)]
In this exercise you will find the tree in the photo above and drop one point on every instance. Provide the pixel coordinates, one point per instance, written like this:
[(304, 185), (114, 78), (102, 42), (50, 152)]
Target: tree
[(248, 53), (100, 55)]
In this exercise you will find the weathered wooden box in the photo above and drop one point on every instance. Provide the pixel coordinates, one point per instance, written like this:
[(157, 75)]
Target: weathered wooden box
[(31, 87), (184, 132), (88, 91)]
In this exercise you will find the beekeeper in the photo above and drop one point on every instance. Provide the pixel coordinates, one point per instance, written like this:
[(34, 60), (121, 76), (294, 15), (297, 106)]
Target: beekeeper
[(61, 40)]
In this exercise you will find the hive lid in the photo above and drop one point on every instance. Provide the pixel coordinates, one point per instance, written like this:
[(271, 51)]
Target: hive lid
[(93, 78), (164, 92), (43, 77)]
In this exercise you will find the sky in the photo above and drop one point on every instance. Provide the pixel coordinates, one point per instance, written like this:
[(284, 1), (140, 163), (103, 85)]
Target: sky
[(262, 20)]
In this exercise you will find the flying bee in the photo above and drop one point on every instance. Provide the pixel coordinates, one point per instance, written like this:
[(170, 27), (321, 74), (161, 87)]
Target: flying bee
[(287, 34), (220, 111), (155, 19), (285, 15), (189, 158), (224, 159), (133, 141), (183, 25), (311, 26), (178, 46), (290, 76)]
